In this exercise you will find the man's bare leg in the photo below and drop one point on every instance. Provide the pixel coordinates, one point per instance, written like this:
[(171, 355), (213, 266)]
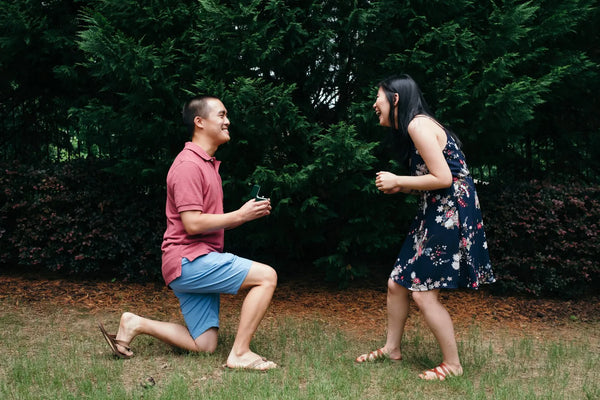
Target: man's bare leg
[(132, 325), (262, 281)]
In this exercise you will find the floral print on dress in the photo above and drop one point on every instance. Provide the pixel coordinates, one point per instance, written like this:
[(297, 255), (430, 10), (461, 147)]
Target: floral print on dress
[(446, 245)]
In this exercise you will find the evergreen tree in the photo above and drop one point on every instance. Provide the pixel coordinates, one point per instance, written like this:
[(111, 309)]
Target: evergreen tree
[(488, 67), (515, 79), (36, 48)]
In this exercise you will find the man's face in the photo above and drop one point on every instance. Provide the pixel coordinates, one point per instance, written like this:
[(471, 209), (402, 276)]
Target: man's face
[(216, 123)]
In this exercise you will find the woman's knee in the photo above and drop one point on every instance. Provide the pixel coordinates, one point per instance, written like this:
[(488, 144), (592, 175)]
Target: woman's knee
[(395, 289), (423, 299)]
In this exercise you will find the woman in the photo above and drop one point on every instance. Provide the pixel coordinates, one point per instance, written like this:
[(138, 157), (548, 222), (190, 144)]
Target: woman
[(445, 247)]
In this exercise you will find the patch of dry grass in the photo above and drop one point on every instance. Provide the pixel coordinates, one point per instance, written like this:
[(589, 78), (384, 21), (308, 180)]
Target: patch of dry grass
[(52, 348)]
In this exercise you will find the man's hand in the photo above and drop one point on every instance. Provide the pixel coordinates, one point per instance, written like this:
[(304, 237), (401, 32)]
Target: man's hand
[(197, 222), (253, 209)]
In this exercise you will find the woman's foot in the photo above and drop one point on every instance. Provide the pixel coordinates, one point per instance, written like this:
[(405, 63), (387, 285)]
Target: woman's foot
[(377, 355), (441, 372)]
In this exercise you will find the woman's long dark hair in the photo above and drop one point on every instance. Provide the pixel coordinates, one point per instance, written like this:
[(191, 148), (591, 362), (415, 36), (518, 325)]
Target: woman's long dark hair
[(410, 103)]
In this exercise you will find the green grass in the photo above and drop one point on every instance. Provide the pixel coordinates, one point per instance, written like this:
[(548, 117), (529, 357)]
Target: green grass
[(51, 353)]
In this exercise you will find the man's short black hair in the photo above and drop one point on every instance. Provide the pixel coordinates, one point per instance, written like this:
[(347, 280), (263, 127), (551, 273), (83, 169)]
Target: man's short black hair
[(196, 106)]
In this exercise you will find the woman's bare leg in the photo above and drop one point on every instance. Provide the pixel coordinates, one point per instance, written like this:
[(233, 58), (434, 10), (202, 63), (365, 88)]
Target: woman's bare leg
[(439, 321), (398, 302)]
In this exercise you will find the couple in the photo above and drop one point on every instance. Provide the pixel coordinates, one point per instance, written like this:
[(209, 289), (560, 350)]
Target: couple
[(445, 247)]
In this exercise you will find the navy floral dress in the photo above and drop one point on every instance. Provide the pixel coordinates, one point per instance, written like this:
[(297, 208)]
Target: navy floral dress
[(446, 246)]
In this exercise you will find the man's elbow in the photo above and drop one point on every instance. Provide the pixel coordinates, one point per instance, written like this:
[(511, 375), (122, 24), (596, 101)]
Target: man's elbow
[(192, 222), (193, 229), (190, 231)]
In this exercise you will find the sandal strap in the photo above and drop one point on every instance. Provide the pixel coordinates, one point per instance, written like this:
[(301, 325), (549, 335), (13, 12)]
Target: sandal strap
[(120, 342), (442, 370), (371, 356), (123, 343), (376, 354)]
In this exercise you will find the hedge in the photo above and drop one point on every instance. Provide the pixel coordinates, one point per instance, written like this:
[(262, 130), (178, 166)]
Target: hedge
[(543, 237), (80, 219), (77, 219)]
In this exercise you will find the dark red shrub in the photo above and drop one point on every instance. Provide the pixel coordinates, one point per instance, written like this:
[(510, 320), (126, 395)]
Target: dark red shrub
[(78, 219), (543, 238)]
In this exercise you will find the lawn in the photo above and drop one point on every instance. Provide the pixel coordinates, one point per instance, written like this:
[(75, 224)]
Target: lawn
[(510, 348)]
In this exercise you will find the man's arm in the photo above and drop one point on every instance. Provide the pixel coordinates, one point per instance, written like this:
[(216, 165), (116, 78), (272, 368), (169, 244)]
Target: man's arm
[(197, 222)]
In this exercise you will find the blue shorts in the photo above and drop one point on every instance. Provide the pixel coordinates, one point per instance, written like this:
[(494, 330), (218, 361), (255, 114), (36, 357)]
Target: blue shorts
[(200, 284)]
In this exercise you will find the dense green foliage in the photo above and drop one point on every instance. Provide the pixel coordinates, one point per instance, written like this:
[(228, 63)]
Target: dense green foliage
[(105, 79), (543, 238)]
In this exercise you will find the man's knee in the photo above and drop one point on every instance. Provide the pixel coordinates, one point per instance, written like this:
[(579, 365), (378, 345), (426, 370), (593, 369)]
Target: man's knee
[(265, 274), (260, 275), (207, 342), (207, 347), (270, 276)]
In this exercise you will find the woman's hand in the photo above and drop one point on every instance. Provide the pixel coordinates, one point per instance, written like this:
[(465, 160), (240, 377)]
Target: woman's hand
[(388, 183)]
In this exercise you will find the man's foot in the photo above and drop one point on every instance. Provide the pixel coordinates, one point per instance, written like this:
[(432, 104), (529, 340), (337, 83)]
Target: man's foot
[(250, 361), (376, 355), (119, 348), (440, 373), (126, 333)]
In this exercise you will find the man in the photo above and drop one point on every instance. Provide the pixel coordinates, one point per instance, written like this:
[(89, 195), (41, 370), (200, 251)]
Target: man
[(193, 263)]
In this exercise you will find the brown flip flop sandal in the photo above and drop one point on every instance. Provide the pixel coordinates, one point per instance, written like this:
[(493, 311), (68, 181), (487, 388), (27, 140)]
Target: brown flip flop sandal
[(113, 341)]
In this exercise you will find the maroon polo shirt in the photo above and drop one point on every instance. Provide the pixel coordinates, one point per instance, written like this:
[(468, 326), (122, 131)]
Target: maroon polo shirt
[(193, 184)]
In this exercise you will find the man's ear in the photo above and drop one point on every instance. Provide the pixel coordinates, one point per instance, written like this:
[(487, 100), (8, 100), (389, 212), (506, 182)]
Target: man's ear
[(396, 99), (199, 121)]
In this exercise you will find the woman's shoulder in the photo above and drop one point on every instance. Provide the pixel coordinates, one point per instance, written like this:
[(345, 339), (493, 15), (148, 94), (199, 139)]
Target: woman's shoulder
[(426, 120), (424, 129), (422, 122)]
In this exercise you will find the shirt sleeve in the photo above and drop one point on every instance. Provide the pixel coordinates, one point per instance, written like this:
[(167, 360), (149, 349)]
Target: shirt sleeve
[(188, 183)]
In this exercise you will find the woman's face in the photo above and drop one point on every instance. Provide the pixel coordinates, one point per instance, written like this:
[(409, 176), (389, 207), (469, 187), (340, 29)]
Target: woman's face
[(382, 108)]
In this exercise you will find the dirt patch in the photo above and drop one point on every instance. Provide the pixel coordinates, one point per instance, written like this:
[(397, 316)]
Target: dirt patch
[(360, 311)]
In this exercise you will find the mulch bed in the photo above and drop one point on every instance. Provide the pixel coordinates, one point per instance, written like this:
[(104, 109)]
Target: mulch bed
[(354, 309)]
